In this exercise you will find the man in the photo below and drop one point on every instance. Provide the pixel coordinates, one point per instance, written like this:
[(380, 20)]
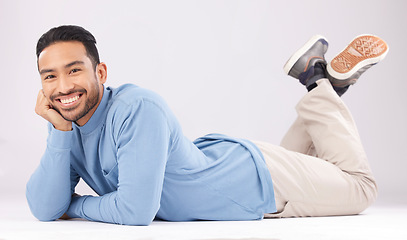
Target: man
[(127, 145)]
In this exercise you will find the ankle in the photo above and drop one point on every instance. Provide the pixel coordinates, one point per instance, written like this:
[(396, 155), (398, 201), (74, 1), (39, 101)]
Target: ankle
[(319, 72), (312, 86), (340, 90)]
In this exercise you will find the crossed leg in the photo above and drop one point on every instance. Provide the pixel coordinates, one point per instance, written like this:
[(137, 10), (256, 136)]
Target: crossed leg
[(321, 168)]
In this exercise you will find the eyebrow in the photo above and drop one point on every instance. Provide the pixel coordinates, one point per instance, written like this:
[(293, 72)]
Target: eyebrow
[(43, 71)]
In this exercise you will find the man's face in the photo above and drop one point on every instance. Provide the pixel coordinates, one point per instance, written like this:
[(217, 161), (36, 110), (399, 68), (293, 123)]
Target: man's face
[(71, 84)]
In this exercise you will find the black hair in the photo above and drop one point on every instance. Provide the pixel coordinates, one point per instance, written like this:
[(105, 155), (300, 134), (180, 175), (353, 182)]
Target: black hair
[(70, 33)]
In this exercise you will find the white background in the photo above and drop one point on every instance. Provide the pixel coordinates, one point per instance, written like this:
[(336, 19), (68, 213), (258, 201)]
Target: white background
[(219, 66)]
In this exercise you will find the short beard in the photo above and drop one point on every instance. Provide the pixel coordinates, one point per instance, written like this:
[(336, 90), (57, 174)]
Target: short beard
[(90, 103)]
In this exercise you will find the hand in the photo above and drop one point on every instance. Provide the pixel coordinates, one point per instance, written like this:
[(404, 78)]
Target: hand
[(65, 216), (45, 110)]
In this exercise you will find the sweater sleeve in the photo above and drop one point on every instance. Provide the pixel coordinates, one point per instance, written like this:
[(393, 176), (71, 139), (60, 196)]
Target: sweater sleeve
[(49, 189), (142, 142)]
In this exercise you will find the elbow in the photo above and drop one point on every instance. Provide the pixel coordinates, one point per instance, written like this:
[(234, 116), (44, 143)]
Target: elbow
[(135, 214), (135, 220), (138, 223), (136, 217), (44, 216), (44, 212)]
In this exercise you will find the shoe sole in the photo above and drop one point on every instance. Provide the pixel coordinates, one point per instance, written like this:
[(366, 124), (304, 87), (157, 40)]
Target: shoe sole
[(362, 51), (297, 55)]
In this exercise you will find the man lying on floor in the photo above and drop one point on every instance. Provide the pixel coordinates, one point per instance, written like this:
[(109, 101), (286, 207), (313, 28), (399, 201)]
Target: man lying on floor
[(128, 146)]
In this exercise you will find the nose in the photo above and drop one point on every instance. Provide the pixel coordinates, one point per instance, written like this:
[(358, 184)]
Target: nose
[(64, 85)]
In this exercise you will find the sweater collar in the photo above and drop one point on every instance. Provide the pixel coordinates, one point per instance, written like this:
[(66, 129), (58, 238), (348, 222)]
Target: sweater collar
[(97, 116)]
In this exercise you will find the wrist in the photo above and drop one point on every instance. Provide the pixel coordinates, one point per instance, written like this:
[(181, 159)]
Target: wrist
[(59, 139), (75, 208), (63, 128)]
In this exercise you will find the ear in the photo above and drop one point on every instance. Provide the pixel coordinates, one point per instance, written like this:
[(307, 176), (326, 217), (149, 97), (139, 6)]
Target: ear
[(101, 72)]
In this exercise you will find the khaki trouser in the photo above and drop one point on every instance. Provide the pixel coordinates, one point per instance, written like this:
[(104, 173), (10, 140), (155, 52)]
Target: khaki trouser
[(321, 168)]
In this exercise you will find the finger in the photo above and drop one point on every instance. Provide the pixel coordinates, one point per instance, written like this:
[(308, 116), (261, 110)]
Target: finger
[(42, 105)]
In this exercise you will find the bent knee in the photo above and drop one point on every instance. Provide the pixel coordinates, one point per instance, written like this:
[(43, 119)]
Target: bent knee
[(365, 195)]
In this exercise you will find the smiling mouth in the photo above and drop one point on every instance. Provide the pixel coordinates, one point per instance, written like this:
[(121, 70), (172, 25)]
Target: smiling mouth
[(70, 100)]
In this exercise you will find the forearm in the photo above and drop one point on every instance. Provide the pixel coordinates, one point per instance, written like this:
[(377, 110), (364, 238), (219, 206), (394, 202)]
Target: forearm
[(49, 188), (113, 208)]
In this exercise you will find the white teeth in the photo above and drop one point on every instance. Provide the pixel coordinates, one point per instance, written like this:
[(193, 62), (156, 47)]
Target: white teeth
[(69, 100)]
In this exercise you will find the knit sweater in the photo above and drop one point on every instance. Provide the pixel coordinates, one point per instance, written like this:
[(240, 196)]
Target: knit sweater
[(133, 154)]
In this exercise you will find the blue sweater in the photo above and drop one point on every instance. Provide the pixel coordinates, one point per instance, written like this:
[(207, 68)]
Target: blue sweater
[(133, 154)]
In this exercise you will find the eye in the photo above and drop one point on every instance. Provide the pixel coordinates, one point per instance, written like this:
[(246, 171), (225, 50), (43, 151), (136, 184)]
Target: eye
[(75, 70), (49, 77)]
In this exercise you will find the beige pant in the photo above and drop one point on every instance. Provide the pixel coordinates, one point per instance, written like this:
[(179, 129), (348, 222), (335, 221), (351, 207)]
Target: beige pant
[(321, 168)]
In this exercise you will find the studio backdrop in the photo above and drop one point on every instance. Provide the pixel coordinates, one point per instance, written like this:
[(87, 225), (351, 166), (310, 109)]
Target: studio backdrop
[(218, 64)]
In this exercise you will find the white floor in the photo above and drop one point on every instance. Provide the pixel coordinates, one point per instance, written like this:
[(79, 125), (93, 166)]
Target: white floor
[(378, 222)]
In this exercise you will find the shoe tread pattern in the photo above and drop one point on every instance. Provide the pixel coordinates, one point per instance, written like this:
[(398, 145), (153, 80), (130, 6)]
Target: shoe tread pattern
[(360, 49)]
